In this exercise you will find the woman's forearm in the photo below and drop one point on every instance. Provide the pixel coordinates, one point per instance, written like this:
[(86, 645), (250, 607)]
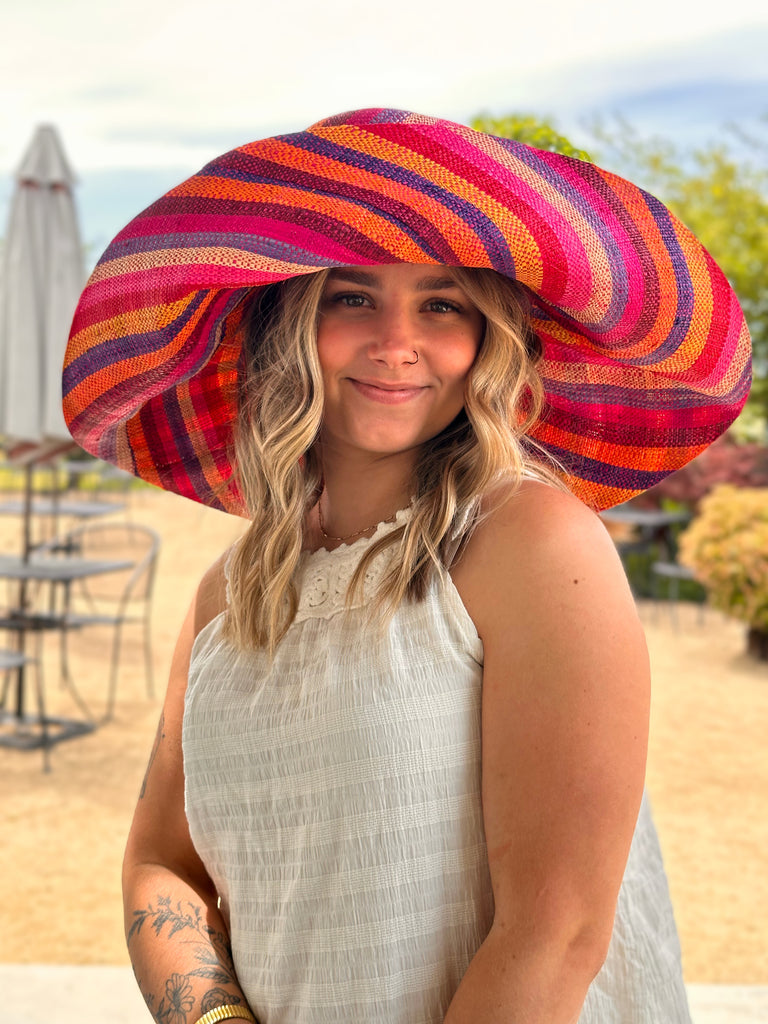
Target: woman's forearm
[(179, 947), (511, 983)]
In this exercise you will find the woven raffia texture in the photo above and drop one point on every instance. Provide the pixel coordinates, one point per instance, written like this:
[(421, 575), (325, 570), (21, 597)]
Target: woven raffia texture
[(646, 352)]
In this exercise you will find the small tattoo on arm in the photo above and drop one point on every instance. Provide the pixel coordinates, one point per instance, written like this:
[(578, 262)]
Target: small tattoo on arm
[(178, 993), (218, 997), (159, 737)]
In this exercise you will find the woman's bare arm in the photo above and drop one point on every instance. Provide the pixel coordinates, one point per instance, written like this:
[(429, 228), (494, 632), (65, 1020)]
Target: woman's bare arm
[(177, 939), (565, 719)]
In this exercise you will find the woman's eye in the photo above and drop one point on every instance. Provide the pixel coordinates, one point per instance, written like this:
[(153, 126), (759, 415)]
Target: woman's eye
[(350, 299), (443, 306)]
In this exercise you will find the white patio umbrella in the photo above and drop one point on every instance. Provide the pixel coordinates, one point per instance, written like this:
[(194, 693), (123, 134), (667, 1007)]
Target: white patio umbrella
[(42, 277)]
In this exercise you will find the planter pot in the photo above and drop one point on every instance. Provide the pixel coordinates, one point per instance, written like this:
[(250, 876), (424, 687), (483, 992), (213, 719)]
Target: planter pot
[(757, 643)]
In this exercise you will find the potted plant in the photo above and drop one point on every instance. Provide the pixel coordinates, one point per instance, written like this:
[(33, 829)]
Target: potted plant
[(726, 546)]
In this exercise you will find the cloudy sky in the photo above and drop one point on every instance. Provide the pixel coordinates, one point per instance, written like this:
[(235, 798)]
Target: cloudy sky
[(145, 93)]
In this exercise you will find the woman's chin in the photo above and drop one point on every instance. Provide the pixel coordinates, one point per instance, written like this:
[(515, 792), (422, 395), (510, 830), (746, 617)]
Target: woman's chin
[(373, 445)]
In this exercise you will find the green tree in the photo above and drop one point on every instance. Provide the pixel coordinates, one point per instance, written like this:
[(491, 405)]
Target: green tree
[(533, 131)]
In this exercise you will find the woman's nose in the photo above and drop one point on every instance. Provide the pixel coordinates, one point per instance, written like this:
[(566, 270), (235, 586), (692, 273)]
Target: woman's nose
[(394, 340)]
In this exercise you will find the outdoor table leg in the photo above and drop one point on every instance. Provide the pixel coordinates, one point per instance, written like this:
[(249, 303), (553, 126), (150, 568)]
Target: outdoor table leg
[(41, 712)]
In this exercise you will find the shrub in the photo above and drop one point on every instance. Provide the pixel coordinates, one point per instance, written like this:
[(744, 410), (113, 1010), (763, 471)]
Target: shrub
[(726, 461), (726, 546)]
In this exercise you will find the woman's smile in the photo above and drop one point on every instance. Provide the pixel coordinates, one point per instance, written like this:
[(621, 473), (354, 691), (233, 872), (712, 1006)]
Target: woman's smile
[(387, 394)]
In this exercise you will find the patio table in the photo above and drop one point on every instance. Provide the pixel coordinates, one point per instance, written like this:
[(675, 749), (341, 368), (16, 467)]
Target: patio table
[(651, 525), (55, 570), (52, 569), (644, 518), (653, 532), (65, 507)]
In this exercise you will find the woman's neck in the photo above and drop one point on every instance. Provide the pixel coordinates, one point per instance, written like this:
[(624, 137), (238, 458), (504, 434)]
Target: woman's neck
[(359, 494)]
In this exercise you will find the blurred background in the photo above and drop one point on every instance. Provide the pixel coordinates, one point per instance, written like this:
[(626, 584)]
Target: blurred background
[(670, 93)]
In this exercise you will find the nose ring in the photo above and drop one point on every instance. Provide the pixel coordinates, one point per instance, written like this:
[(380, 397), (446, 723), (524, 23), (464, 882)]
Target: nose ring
[(416, 359)]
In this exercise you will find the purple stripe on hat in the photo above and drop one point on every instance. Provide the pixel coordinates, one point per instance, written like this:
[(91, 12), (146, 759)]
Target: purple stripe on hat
[(591, 192), (620, 241), (372, 115), (614, 431), (244, 242), (285, 217), (228, 226), (107, 447), (178, 446), (549, 229), (421, 230), (483, 227), (130, 346), (597, 194), (621, 477), (665, 397)]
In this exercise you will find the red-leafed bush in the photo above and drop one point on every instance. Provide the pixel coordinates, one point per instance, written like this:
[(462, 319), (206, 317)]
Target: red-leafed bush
[(724, 462)]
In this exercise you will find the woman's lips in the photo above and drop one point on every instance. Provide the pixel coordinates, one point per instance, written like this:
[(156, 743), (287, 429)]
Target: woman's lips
[(387, 394)]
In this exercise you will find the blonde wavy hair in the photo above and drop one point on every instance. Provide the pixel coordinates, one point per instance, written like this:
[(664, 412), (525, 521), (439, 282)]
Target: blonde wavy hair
[(280, 474)]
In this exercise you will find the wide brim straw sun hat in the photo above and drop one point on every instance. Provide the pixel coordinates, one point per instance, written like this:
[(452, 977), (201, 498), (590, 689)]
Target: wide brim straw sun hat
[(646, 355)]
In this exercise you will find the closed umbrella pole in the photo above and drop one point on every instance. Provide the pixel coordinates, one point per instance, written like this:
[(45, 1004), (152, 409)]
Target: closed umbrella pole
[(42, 277)]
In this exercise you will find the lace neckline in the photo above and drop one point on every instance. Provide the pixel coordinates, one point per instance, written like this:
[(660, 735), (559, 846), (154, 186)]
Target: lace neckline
[(323, 576)]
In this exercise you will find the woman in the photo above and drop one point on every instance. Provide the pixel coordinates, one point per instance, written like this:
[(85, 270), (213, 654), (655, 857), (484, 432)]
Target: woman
[(420, 447)]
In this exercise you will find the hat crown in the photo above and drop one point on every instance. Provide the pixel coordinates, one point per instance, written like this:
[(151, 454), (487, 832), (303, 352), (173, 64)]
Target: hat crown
[(374, 115)]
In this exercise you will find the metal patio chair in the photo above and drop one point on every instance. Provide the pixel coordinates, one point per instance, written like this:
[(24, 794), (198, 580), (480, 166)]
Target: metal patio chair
[(116, 599), (26, 731)]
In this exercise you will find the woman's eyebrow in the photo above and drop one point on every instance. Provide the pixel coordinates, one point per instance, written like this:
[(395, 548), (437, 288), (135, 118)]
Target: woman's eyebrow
[(368, 280), (349, 276), (431, 284)]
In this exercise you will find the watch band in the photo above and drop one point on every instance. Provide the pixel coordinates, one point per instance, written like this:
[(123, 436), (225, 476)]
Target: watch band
[(226, 1012)]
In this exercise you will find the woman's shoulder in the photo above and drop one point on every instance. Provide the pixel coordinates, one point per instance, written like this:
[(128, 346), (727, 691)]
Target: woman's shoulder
[(211, 596), (534, 520), (535, 544)]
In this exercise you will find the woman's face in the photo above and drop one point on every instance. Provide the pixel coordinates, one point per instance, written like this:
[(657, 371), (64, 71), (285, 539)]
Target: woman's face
[(395, 345)]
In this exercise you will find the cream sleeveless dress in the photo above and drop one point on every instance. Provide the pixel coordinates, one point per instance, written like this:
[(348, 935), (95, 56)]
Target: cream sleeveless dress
[(334, 798)]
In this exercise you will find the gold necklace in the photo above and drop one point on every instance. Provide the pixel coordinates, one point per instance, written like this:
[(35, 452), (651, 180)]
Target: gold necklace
[(357, 533)]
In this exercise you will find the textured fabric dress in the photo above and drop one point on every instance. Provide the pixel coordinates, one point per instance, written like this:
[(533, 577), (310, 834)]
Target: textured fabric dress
[(334, 798)]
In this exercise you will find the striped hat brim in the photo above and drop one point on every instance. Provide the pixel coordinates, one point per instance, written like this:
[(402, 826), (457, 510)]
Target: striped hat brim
[(646, 355)]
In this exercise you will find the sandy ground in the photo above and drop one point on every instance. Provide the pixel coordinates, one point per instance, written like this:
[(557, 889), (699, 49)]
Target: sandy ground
[(63, 832)]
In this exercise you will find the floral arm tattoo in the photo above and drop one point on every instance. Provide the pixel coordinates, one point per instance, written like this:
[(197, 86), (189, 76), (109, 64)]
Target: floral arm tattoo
[(207, 950)]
